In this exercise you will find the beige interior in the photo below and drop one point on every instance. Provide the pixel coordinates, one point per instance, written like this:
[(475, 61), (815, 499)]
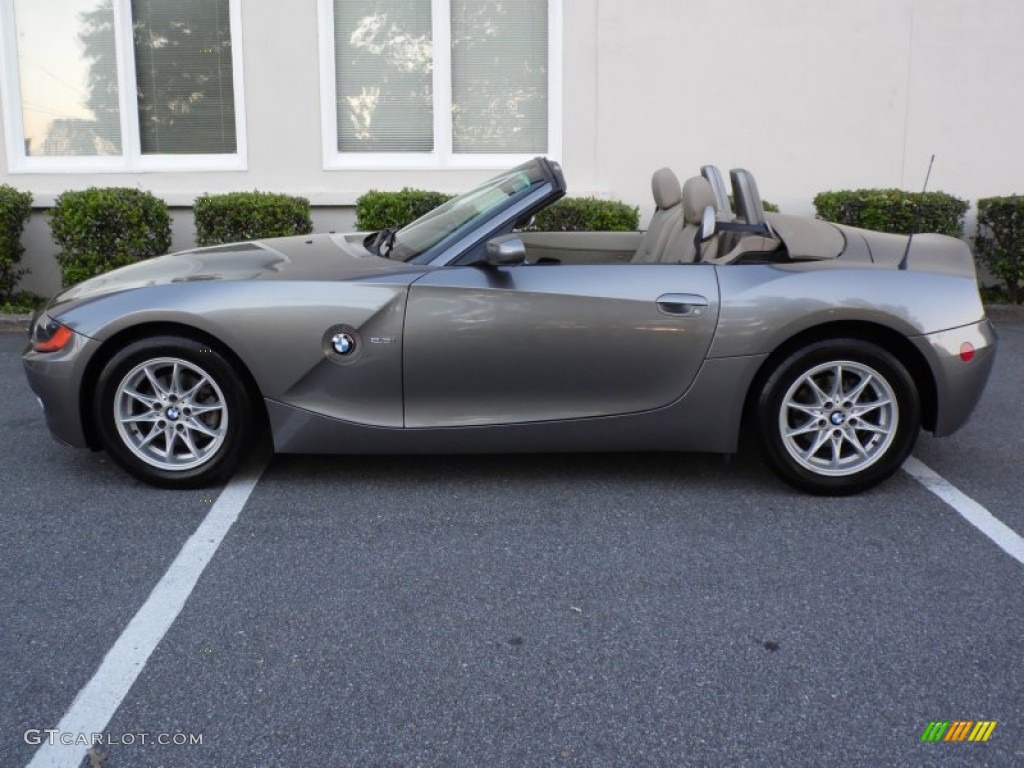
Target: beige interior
[(697, 195), (749, 210), (746, 244), (582, 247), (672, 235), (667, 220)]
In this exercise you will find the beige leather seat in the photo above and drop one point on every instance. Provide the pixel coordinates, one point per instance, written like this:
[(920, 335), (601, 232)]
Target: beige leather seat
[(667, 221), (682, 248)]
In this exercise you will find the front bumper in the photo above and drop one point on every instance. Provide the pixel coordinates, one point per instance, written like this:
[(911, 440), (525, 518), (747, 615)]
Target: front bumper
[(56, 379), (958, 384)]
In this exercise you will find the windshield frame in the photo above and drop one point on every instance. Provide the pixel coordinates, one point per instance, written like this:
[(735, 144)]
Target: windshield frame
[(474, 215)]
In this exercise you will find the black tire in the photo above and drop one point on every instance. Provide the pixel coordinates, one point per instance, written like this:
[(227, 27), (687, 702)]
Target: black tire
[(203, 423), (863, 443)]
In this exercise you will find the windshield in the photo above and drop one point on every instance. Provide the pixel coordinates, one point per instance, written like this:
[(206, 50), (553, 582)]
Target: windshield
[(464, 212)]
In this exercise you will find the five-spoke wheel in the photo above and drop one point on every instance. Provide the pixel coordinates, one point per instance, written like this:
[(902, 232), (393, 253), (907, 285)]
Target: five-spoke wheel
[(838, 416)]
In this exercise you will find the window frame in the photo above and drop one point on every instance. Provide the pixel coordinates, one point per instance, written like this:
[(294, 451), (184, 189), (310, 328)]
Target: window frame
[(442, 157), (131, 159)]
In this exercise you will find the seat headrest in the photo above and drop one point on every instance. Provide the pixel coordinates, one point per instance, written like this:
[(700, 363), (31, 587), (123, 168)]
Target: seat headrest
[(665, 186), (697, 195)]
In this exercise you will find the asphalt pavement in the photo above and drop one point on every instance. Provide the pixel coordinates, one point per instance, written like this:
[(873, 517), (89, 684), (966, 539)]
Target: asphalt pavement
[(608, 610)]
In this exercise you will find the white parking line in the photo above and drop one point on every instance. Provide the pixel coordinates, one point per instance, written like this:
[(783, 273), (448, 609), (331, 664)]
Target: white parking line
[(97, 702), (1005, 537)]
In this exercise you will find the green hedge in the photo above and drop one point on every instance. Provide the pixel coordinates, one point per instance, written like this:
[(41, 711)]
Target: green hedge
[(99, 229), (22, 303), (241, 216), (15, 208), (999, 244), (587, 214), (893, 210), (379, 210)]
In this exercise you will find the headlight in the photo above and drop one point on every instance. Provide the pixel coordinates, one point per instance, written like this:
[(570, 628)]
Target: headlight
[(48, 335)]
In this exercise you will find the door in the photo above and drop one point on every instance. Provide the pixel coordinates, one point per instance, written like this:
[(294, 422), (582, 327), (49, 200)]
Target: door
[(508, 345)]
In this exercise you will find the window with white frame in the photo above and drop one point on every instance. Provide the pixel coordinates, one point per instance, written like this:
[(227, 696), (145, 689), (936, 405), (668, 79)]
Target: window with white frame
[(122, 85), (440, 83)]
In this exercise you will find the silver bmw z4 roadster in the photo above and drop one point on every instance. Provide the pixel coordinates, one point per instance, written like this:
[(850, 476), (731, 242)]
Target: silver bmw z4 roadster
[(466, 331)]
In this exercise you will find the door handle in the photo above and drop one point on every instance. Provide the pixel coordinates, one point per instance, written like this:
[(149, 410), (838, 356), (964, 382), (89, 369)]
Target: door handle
[(682, 304)]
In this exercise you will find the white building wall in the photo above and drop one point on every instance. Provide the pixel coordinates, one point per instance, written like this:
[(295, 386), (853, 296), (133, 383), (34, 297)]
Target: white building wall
[(812, 94), (808, 94)]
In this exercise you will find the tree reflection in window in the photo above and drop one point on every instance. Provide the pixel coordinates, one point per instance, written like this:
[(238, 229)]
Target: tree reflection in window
[(384, 63), (67, 66), (183, 70), (499, 76)]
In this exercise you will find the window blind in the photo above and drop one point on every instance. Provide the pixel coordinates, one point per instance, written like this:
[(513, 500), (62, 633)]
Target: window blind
[(384, 73), (184, 75), (499, 76)]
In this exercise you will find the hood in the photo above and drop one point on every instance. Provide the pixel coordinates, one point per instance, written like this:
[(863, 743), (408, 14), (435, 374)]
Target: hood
[(306, 257)]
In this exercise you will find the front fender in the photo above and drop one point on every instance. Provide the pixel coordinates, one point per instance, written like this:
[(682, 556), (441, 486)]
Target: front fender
[(277, 330)]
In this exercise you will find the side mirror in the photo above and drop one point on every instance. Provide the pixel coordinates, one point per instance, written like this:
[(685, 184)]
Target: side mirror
[(708, 223), (506, 251)]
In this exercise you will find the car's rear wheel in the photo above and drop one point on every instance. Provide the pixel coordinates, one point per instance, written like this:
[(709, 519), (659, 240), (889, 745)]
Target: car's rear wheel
[(173, 412), (838, 417)]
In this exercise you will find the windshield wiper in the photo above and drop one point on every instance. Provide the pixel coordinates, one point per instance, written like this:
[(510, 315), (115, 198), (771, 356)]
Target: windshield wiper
[(389, 243), (375, 241)]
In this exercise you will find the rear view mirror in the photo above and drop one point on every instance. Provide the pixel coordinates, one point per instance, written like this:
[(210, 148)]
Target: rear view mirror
[(505, 251), (708, 223)]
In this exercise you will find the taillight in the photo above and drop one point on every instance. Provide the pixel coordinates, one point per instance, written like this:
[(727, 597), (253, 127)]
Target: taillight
[(50, 336)]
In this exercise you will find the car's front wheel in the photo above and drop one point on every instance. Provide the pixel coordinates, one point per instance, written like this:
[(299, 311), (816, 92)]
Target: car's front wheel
[(173, 412), (838, 416)]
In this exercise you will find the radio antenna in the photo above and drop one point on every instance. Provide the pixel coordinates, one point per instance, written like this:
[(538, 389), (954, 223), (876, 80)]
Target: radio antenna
[(913, 226), (928, 175)]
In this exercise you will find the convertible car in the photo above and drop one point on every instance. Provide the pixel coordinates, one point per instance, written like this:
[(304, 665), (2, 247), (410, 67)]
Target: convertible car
[(467, 331)]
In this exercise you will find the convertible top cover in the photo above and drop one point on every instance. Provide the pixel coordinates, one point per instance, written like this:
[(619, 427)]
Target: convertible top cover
[(807, 238)]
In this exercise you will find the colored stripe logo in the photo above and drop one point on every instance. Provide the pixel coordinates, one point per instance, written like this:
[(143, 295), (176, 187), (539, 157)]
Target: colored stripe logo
[(958, 730)]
